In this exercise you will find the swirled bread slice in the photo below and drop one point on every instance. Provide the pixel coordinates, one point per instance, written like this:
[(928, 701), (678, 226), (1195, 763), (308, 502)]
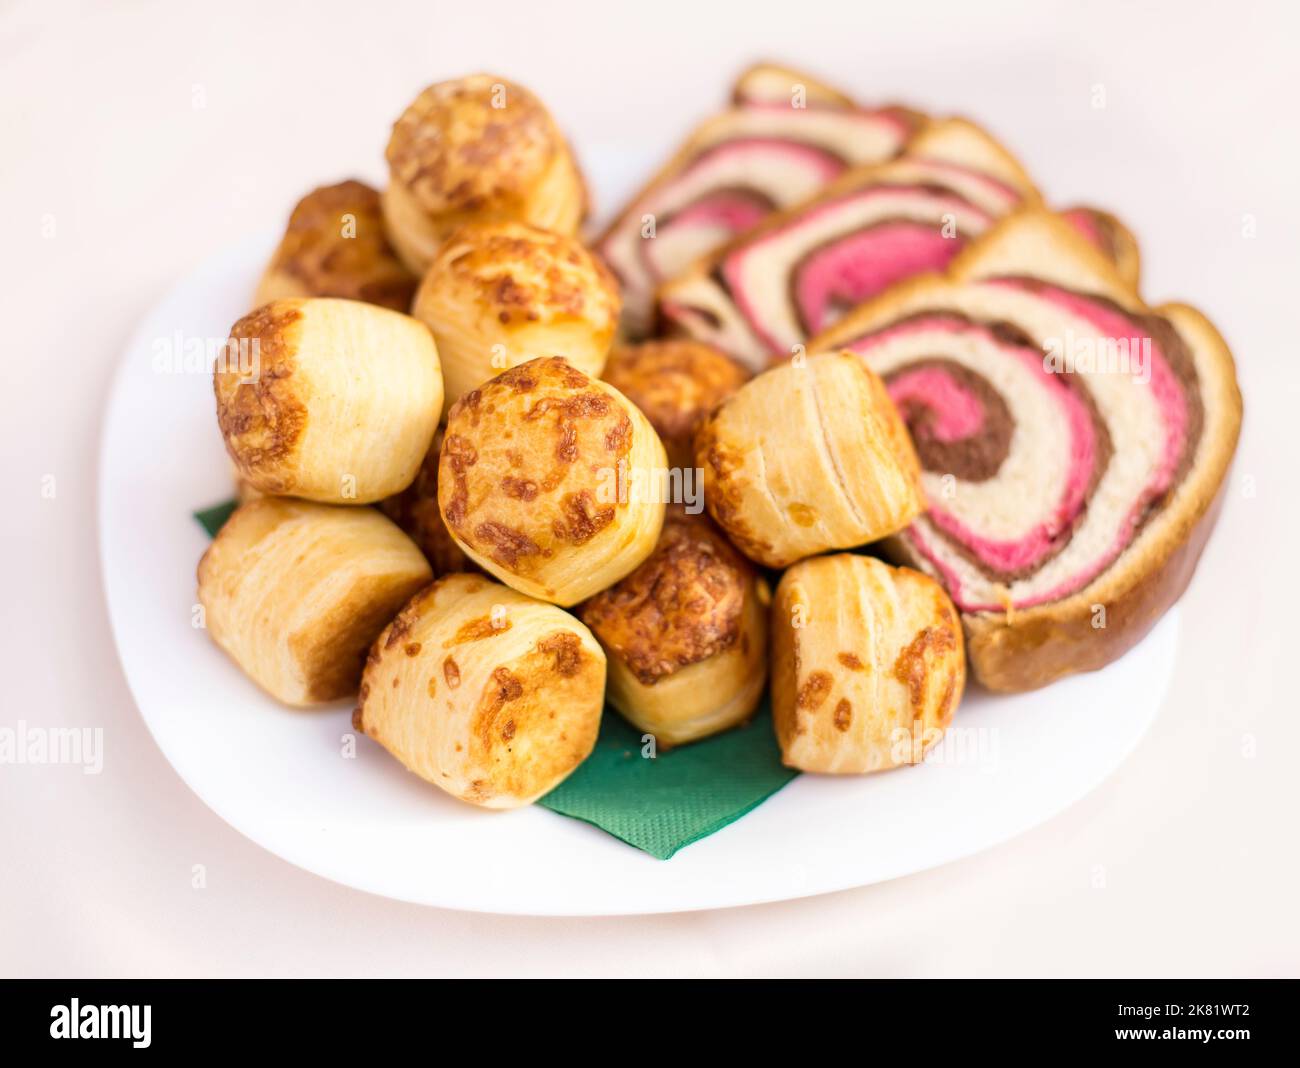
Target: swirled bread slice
[(783, 138), (1073, 442), (798, 271), (1111, 236)]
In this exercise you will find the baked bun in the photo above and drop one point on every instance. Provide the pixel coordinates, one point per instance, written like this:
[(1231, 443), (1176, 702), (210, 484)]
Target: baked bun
[(867, 664), (337, 402), (486, 693), (415, 510), (295, 592), (1074, 442), (808, 456), (501, 293), (765, 293), (335, 247), (676, 383), (685, 634), (549, 479), (782, 140), (478, 147)]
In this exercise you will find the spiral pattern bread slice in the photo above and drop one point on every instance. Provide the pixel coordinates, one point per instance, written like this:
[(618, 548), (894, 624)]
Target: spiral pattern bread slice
[(1111, 237), (788, 278), (1073, 443), (774, 147)]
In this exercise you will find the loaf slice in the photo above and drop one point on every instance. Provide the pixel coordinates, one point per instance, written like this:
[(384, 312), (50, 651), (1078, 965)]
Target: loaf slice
[(1073, 442), (1111, 236), (791, 276), (783, 138)]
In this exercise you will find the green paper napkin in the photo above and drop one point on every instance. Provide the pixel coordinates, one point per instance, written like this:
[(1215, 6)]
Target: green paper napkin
[(678, 797), (214, 518), (658, 804)]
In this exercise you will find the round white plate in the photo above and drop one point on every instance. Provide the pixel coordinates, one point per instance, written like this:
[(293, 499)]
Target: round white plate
[(284, 779)]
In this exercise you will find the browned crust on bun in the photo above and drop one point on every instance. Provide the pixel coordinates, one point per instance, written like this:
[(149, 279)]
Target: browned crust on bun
[(682, 606), (676, 383), (809, 456), (316, 258), (275, 555), (867, 666), (534, 480), (487, 694), (523, 274), (472, 144), (262, 420), (415, 510)]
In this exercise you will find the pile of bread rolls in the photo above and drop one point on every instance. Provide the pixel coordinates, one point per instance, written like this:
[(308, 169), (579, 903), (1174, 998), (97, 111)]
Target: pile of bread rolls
[(467, 502)]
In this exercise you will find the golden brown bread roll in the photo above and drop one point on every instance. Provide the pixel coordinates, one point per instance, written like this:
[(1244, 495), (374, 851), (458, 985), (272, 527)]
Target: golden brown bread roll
[(501, 293), (491, 695), (810, 455), (549, 480), (685, 635), (341, 404), (415, 510), (295, 592), (867, 664), (335, 247), (477, 147), (676, 383)]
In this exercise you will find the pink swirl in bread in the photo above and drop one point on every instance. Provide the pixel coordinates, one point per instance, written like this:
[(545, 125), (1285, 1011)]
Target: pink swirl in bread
[(795, 274), (782, 140), (1072, 442)]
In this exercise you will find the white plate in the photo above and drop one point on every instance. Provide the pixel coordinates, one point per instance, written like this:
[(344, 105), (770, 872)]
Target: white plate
[(280, 777)]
